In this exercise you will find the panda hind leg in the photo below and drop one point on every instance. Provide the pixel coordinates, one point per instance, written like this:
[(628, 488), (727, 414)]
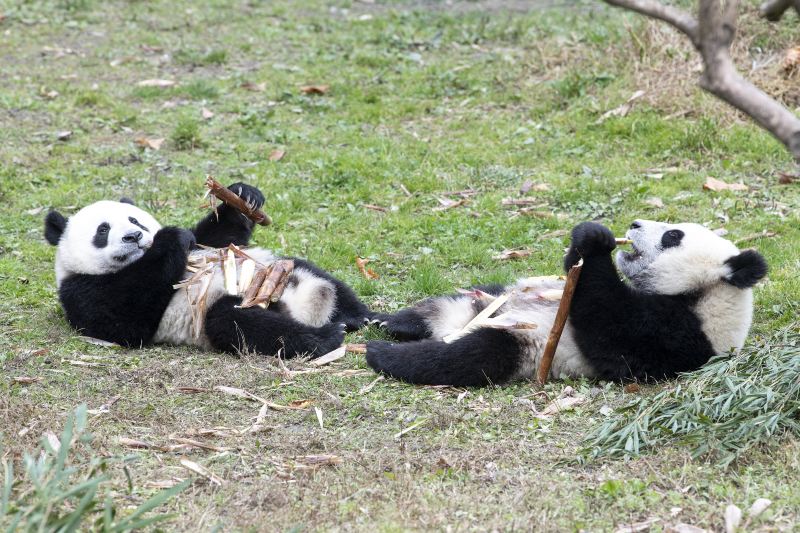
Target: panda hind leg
[(267, 332)]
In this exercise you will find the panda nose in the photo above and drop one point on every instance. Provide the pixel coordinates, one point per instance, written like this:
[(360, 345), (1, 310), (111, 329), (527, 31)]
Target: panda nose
[(136, 236), (636, 224)]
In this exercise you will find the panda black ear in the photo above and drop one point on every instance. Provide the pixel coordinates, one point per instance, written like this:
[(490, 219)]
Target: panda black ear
[(126, 200), (54, 224), (747, 269)]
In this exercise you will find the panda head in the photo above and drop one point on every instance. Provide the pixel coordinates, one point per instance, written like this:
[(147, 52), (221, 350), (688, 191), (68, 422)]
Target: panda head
[(685, 258), (101, 238)]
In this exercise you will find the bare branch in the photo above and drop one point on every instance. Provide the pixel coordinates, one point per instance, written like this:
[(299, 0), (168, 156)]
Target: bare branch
[(675, 17), (712, 35)]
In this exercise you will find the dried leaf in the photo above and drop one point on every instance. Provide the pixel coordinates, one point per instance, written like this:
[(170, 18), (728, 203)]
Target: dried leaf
[(374, 207), (63, 135), (318, 412), (446, 203), (201, 445), (791, 60), (362, 267), (522, 201), (156, 83), (316, 461), (206, 113), (152, 144), (193, 390), (713, 184), (255, 87), (526, 186), (787, 179), (35, 211), (300, 404), (277, 155), (314, 89), (512, 254), (631, 388)]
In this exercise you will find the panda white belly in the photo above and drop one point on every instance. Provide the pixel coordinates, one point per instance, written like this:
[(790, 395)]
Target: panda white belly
[(308, 299), (525, 305)]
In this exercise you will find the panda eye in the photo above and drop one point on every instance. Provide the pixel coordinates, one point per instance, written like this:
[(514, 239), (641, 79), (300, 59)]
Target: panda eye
[(134, 221), (671, 238), (103, 228)]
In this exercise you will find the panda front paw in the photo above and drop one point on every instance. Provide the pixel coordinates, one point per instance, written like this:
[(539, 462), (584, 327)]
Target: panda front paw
[(172, 234), (248, 193), (328, 338), (591, 238)]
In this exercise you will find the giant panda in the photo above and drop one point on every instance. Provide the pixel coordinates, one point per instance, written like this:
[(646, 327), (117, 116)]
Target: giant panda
[(116, 266), (687, 298)]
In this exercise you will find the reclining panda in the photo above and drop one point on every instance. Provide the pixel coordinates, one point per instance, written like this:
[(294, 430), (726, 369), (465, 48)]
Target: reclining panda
[(688, 298), (116, 267)]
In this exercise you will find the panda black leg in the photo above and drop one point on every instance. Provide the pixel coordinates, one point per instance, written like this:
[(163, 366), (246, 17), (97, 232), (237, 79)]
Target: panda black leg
[(227, 225), (405, 325), (267, 332), (350, 311)]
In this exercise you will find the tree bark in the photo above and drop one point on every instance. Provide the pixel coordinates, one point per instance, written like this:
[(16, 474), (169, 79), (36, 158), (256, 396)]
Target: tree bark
[(712, 34)]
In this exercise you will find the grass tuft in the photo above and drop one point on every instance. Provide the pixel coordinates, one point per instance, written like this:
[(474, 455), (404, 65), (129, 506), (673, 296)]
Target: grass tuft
[(722, 410), (186, 135)]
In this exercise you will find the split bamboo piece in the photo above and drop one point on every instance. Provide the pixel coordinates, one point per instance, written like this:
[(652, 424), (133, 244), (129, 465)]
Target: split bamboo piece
[(232, 199), (558, 324)]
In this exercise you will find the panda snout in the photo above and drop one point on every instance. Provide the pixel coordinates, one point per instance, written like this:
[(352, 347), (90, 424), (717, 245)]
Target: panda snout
[(133, 237)]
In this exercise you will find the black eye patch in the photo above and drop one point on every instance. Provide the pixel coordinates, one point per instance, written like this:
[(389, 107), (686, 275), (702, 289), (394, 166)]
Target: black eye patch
[(101, 235), (671, 238), (137, 223)]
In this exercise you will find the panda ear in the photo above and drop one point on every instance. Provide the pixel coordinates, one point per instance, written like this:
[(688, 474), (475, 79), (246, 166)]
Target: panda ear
[(747, 269), (126, 200), (54, 224)]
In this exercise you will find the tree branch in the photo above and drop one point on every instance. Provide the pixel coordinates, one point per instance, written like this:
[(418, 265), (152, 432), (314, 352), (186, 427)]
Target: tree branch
[(676, 18), (712, 36)]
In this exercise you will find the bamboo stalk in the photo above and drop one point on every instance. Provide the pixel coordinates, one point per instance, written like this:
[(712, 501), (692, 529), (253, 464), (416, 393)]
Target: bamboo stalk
[(558, 324), (232, 199)]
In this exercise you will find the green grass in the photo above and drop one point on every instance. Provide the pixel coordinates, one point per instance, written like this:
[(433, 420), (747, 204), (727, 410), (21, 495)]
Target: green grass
[(423, 98)]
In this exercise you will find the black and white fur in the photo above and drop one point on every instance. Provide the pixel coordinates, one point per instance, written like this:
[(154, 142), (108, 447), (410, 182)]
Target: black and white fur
[(116, 267), (688, 297)]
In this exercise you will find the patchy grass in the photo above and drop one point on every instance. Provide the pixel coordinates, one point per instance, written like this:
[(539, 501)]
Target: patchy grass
[(423, 101)]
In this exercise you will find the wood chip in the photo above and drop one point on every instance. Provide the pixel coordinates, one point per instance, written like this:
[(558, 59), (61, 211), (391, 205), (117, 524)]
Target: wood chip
[(560, 404), (202, 471), (25, 380), (366, 388), (622, 110), (240, 393), (156, 83), (199, 444), (98, 342), (409, 428), (152, 144), (276, 155), (330, 357), (479, 318)]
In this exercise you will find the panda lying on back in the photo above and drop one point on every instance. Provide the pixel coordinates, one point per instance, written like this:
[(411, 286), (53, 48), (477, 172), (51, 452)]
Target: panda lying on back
[(116, 267), (688, 298)]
